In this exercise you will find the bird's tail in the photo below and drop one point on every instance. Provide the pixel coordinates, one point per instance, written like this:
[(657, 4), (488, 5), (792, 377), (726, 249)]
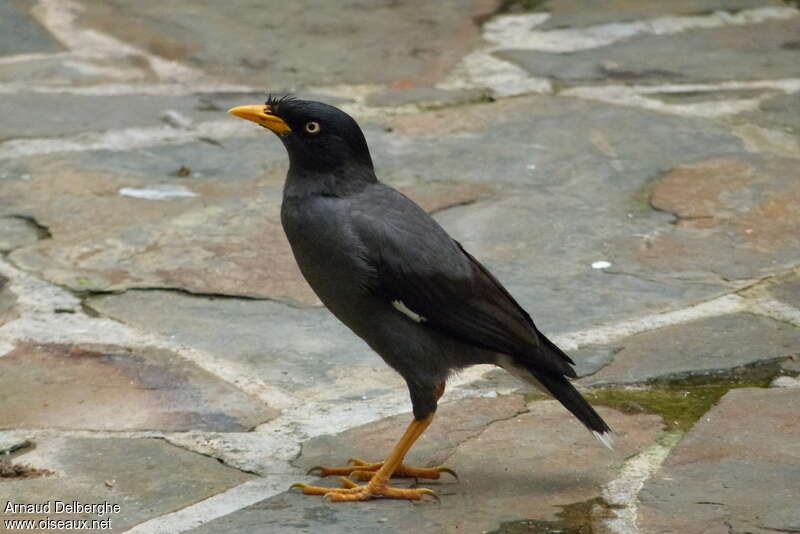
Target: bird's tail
[(564, 392)]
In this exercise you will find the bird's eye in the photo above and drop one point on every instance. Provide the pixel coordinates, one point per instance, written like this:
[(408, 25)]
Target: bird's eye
[(312, 127)]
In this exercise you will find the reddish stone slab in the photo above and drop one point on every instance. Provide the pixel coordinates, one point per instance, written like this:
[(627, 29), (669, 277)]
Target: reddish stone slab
[(117, 388)]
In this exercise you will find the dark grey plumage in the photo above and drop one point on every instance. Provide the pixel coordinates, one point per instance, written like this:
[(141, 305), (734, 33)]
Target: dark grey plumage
[(393, 275)]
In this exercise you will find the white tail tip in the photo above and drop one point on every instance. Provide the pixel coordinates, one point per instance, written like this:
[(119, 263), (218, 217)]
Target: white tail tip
[(606, 438)]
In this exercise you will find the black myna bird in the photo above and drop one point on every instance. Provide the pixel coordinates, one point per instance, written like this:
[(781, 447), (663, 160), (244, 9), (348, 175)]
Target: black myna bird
[(390, 273)]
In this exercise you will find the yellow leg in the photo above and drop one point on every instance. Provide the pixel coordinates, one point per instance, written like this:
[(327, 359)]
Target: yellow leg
[(378, 486)]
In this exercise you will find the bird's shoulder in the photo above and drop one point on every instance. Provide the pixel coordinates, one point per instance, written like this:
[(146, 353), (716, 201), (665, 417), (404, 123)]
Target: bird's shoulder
[(398, 232)]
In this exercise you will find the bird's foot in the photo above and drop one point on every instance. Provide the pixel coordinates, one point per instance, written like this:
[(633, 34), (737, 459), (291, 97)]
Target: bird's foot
[(361, 470), (372, 490)]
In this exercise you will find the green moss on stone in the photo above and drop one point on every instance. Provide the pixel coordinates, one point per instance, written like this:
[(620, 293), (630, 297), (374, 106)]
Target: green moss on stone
[(680, 403)]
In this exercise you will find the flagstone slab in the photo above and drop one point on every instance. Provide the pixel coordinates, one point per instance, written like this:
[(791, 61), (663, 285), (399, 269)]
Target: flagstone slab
[(294, 348), (118, 388), (705, 347), (146, 477), (737, 471), (736, 216), (29, 114), (263, 45), (740, 53)]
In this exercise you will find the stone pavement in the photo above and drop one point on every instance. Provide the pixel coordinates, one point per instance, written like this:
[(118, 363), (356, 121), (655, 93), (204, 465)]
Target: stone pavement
[(630, 170)]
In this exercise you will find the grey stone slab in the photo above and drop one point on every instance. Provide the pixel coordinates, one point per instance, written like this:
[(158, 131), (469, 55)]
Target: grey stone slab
[(51, 115), (145, 477), (281, 45), (738, 470), (20, 33), (117, 388), (751, 52), (781, 112), (588, 362), (511, 467), (293, 348), (545, 145), (707, 346), (578, 13)]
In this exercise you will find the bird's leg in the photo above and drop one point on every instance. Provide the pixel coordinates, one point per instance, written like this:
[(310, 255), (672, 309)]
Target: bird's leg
[(378, 485), (363, 470)]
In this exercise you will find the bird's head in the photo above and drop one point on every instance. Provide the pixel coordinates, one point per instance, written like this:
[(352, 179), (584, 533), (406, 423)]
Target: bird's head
[(318, 137)]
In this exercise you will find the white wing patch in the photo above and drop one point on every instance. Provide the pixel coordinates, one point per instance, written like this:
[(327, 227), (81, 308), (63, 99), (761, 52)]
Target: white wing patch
[(402, 308)]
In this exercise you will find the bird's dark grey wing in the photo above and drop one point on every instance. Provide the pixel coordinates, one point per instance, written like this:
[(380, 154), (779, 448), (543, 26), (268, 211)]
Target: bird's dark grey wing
[(417, 265)]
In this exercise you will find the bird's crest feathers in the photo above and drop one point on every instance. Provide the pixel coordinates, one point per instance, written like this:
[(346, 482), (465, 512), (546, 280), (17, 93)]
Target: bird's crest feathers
[(274, 102)]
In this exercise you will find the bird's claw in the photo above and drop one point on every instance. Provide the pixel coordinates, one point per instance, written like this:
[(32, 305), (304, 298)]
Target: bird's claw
[(425, 492), (449, 471), (362, 470), (354, 492)]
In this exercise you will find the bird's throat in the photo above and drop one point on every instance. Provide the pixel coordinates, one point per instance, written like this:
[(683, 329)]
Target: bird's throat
[(302, 182)]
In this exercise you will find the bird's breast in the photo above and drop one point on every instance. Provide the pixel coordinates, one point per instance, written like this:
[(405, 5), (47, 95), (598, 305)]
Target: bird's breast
[(327, 252)]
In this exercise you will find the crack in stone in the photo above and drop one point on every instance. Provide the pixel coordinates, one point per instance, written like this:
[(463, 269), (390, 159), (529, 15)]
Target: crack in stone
[(469, 202), (187, 292), (42, 231), (788, 530), (218, 458), (480, 432)]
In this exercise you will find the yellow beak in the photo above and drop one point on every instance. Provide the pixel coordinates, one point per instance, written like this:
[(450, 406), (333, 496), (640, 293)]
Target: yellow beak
[(262, 115)]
